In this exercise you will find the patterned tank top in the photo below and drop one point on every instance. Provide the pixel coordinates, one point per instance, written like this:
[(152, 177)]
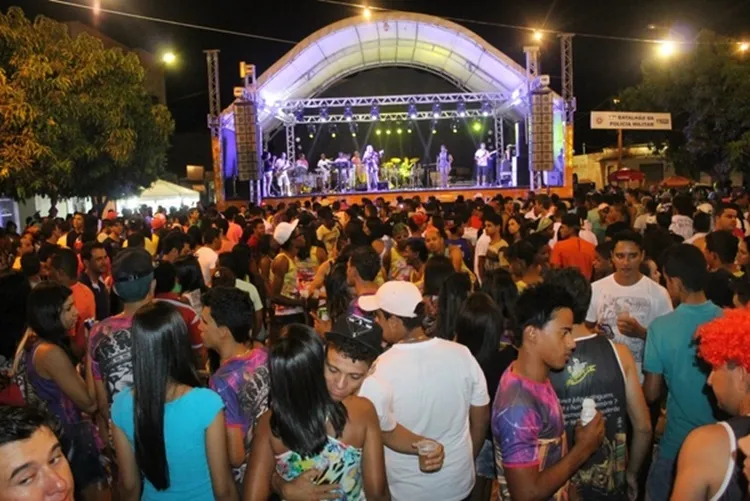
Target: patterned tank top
[(288, 289), (339, 463), (57, 402)]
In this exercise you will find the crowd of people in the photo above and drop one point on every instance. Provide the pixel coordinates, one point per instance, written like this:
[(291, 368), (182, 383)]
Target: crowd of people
[(529, 349)]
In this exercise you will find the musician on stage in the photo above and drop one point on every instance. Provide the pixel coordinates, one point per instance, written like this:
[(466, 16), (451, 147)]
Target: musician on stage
[(324, 169), (281, 168), (302, 163), (482, 157), (342, 165), (356, 171), (371, 159), (268, 161), (444, 162)]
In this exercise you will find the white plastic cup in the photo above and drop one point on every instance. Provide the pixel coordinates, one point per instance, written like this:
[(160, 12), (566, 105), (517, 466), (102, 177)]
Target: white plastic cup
[(424, 449), (588, 410)]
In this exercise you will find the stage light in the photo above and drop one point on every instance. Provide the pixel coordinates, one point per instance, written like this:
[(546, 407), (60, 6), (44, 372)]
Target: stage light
[(324, 114), (388, 132), (667, 48), (744, 46), (476, 126), (454, 126), (311, 131), (538, 35), (408, 131), (354, 134), (334, 130), (367, 13), (413, 111), (375, 112), (436, 110), (461, 108), (299, 115), (311, 135), (434, 131), (169, 58), (399, 131), (378, 132), (348, 114), (486, 108)]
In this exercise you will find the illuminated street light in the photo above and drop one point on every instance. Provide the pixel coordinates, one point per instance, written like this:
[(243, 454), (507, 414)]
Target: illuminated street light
[(667, 48), (744, 46), (616, 100), (538, 35), (168, 58), (367, 13)]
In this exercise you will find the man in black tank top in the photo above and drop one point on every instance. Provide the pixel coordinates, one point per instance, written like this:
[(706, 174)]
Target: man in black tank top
[(710, 463), (606, 373)]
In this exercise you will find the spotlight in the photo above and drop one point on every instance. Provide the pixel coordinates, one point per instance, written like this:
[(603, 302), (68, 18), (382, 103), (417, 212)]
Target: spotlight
[(354, 134), (667, 48), (461, 108), (375, 112), (311, 131), (367, 13), (476, 126), (413, 111), (434, 126), (388, 132), (334, 130), (299, 115), (348, 114), (538, 35), (324, 114), (399, 131), (434, 131), (486, 108), (168, 58), (454, 126), (436, 110), (408, 131), (378, 132)]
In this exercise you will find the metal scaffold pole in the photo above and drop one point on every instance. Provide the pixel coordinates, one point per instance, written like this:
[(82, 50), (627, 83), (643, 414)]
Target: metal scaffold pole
[(214, 121)]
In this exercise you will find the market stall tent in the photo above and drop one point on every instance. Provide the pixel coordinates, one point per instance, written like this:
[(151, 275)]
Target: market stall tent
[(162, 193)]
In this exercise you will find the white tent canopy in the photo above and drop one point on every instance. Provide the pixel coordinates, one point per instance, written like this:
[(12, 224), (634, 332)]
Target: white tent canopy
[(163, 193)]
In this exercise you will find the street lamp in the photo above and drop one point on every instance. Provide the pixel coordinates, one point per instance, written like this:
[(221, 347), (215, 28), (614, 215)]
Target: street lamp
[(538, 35), (367, 13), (667, 48), (744, 46), (169, 58)]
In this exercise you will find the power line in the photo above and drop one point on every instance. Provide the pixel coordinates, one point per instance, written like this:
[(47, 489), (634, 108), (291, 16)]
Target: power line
[(176, 23), (505, 25)]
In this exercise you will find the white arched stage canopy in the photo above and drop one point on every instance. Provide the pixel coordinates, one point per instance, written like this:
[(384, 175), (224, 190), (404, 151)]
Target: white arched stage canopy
[(391, 39)]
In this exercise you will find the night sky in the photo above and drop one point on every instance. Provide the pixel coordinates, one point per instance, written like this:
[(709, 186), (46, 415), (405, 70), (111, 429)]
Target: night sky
[(602, 66)]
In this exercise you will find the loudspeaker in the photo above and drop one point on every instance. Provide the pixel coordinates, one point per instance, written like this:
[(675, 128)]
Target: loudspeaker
[(247, 140)]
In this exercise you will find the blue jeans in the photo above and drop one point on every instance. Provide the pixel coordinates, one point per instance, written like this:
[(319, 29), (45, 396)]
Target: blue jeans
[(660, 478), (485, 462)]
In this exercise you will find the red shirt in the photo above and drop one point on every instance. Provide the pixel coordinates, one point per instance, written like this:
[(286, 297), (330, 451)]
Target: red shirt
[(85, 303), (574, 253), (188, 315)]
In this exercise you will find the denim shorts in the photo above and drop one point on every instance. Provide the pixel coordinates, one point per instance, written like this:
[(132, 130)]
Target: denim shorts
[(485, 462), (660, 478)]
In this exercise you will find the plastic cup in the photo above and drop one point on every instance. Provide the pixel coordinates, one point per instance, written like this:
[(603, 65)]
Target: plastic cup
[(425, 448)]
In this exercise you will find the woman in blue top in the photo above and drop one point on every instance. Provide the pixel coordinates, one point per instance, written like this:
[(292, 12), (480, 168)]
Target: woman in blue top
[(167, 429)]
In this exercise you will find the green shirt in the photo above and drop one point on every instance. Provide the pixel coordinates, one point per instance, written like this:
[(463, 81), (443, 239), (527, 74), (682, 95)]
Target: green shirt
[(671, 351)]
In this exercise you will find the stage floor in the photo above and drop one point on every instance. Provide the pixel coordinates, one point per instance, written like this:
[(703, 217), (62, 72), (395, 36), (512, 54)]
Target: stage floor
[(442, 194)]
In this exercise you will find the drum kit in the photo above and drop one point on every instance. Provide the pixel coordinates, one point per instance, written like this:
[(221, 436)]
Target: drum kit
[(404, 173)]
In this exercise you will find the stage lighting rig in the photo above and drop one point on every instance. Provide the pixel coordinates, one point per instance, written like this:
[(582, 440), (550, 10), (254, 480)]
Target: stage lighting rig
[(486, 108), (375, 112), (348, 114), (461, 108), (413, 111), (436, 110), (324, 114)]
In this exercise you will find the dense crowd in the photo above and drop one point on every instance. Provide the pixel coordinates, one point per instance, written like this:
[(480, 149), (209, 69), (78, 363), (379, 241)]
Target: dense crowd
[(538, 348)]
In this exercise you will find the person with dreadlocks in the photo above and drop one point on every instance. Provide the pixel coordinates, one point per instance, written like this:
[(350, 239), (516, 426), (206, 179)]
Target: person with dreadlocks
[(710, 465)]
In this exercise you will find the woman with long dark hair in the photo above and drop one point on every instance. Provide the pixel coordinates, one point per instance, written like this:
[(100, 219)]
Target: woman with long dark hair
[(307, 429), (168, 430), (499, 285), (190, 278), (478, 327), (48, 359), (453, 293), (514, 229)]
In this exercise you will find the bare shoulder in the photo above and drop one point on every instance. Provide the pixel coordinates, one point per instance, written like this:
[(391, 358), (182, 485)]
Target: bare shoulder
[(626, 356), (359, 408), (705, 440)]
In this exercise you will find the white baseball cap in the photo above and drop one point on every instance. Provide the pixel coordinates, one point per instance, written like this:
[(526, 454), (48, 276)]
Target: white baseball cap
[(283, 231), (396, 297)]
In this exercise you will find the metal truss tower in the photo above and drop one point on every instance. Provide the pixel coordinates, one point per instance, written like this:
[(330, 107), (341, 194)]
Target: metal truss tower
[(566, 49), (532, 72), (214, 113)]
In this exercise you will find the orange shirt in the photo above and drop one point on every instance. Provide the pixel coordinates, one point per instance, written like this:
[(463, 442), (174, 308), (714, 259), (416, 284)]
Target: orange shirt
[(574, 253), (85, 303)]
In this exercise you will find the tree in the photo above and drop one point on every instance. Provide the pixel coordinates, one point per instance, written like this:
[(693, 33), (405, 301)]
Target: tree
[(706, 88), (75, 118)]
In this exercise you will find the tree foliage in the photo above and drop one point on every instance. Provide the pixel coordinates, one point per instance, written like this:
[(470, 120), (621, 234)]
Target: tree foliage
[(706, 87), (75, 118)]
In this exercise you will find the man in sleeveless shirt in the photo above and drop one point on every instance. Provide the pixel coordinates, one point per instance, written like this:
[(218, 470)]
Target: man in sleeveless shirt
[(605, 372), (710, 463)]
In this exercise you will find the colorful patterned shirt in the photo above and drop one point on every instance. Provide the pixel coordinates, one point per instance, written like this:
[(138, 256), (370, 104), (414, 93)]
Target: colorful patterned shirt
[(527, 429), (243, 384), (110, 346)]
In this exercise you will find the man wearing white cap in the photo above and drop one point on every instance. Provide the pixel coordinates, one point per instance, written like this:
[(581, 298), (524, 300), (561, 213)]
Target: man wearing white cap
[(437, 390), (289, 306)]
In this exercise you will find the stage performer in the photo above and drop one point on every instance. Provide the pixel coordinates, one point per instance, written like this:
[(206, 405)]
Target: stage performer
[(371, 159), (444, 162), (268, 161), (324, 169), (282, 175), (482, 157), (357, 174), (302, 163)]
